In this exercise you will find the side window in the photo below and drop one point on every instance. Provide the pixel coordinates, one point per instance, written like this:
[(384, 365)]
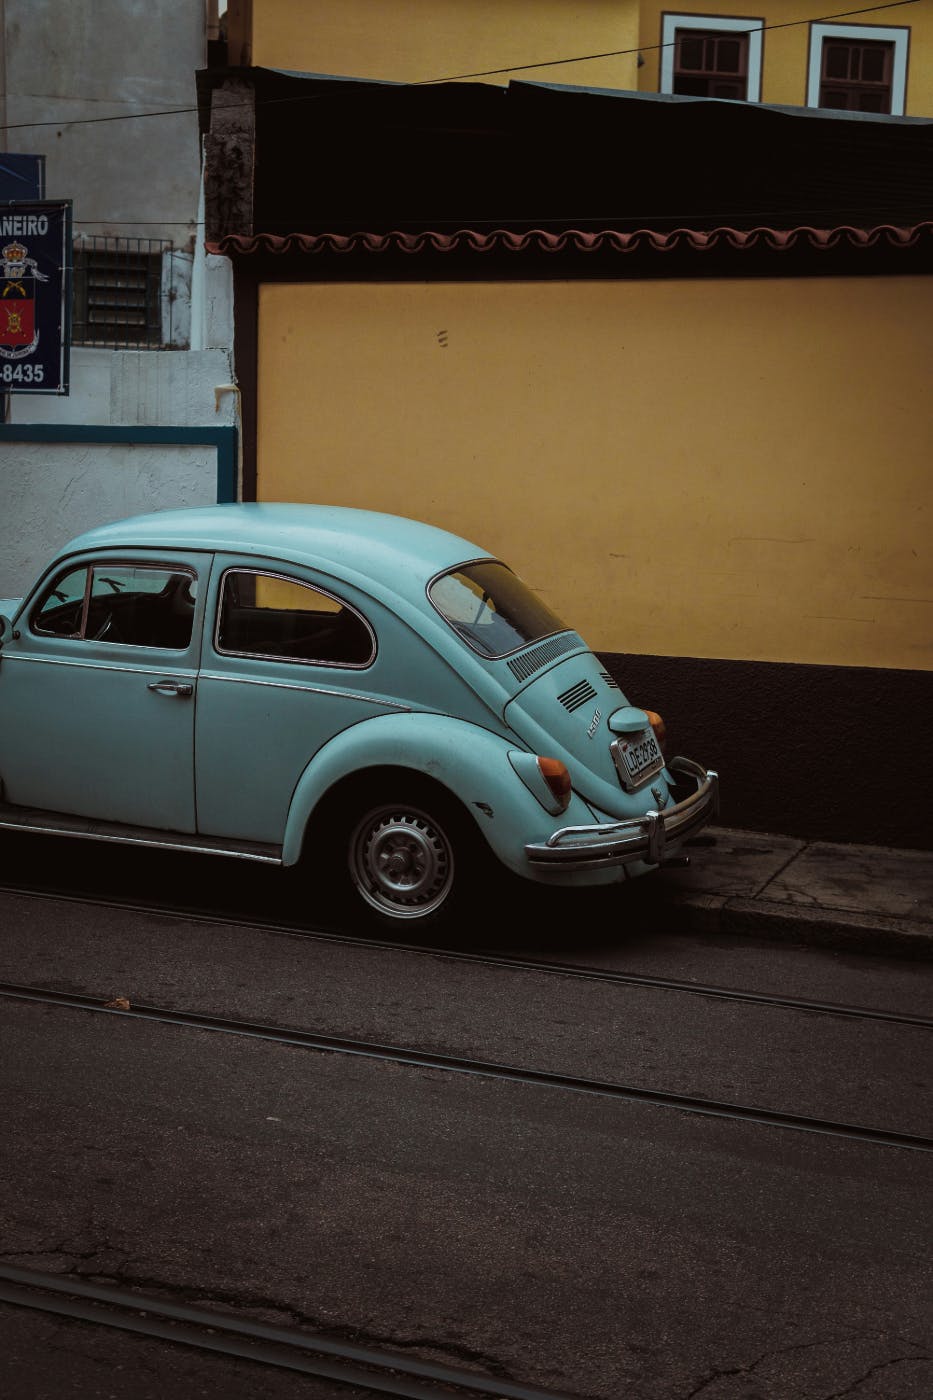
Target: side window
[(141, 606), (858, 67), (711, 56), (856, 77), (711, 64), (60, 610), (272, 616), (134, 605)]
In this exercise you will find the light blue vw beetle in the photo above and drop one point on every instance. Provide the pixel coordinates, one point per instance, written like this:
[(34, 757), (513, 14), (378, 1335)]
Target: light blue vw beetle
[(373, 696)]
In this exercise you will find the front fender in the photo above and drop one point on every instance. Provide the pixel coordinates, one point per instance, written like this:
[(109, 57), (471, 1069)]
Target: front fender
[(469, 761)]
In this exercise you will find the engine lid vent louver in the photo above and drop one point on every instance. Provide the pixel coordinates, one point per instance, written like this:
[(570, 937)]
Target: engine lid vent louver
[(577, 695), (530, 661), (610, 680)]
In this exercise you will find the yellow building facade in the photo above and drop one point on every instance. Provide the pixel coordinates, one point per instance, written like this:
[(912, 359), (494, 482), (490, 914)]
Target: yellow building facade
[(787, 39), (678, 470), (617, 44), (712, 454), (416, 41)]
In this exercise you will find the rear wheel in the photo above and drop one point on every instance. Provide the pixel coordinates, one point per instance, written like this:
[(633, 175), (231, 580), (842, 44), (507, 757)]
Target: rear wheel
[(411, 854), (402, 861)]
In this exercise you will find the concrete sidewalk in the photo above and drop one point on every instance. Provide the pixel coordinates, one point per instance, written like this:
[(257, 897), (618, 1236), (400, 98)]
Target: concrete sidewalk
[(864, 898)]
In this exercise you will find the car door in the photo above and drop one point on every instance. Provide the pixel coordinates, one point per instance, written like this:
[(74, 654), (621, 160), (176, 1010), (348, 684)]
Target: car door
[(98, 687), (288, 662)]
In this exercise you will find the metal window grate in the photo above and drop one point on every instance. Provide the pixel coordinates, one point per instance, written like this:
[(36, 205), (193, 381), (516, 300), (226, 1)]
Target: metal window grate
[(118, 292)]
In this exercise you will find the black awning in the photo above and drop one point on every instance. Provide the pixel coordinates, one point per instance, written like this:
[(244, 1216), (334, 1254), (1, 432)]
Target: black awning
[(345, 155)]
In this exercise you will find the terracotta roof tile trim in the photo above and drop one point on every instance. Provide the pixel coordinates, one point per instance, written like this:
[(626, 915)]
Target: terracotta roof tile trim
[(575, 240)]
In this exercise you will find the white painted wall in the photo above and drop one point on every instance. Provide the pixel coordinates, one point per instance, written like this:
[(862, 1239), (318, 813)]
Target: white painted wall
[(145, 388), (69, 60), (65, 63), (50, 492)]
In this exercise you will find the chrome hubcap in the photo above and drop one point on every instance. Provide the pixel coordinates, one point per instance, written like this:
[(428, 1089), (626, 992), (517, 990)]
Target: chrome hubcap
[(402, 862)]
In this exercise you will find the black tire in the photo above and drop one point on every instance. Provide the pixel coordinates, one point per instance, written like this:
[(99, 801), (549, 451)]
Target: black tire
[(411, 854)]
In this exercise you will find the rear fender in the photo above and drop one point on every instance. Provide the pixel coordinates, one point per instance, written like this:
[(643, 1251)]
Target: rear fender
[(472, 763)]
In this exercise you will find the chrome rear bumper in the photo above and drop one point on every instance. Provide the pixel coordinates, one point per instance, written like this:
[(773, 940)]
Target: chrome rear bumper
[(636, 838)]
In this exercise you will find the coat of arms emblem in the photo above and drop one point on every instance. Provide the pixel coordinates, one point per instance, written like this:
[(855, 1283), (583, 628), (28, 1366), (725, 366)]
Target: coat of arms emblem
[(18, 277)]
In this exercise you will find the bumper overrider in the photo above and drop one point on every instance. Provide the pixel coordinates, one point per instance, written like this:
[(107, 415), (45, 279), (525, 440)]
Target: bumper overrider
[(636, 838)]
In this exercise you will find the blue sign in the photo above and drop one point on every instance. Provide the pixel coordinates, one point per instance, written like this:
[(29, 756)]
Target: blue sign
[(21, 177), (35, 297)]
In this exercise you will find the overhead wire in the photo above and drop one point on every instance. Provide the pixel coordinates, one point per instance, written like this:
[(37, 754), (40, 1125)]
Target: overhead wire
[(588, 220), (452, 78), (651, 48)]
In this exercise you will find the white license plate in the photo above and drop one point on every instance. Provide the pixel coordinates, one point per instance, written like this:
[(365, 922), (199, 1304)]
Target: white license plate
[(636, 756)]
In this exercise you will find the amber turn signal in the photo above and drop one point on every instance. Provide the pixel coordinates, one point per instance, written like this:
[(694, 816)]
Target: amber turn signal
[(557, 777), (657, 724)]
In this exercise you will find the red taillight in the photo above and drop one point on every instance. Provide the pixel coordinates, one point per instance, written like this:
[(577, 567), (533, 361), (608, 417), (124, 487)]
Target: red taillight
[(557, 777), (657, 724)]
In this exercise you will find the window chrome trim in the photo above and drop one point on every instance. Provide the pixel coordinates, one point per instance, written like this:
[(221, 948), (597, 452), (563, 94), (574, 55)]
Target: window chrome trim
[(484, 655), (754, 28), (874, 33), (275, 656), (119, 563), (78, 636)]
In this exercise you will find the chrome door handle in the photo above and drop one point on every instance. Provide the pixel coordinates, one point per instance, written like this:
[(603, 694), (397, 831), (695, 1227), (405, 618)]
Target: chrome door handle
[(181, 689)]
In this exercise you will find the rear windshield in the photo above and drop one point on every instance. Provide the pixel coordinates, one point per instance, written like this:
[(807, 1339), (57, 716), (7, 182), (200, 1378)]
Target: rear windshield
[(492, 609)]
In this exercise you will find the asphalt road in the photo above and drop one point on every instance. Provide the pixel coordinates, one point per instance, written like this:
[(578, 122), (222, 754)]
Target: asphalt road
[(599, 1247)]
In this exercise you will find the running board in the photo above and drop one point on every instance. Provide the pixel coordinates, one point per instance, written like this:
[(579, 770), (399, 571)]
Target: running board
[(36, 820)]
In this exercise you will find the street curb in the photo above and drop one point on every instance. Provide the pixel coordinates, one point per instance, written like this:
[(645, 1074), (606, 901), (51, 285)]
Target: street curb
[(847, 930)]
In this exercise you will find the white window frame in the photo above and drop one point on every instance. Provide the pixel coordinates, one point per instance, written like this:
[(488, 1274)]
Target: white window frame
[(900, 38), (752, 27)]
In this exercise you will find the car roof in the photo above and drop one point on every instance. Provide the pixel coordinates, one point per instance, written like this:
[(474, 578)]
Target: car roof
[(353, 544)]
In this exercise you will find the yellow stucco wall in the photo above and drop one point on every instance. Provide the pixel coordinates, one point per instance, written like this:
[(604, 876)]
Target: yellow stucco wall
[(704, 468), (785, 50), (417, 40)]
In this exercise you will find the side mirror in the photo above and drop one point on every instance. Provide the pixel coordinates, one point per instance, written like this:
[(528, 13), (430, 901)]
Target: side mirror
[(6, 629)]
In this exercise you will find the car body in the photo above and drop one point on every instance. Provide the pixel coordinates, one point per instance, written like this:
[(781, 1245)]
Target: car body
[(364, 693)]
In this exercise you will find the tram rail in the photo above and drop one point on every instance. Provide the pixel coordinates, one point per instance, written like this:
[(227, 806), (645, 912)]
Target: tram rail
[(369, 1368), (422, 1059), (484, 957)]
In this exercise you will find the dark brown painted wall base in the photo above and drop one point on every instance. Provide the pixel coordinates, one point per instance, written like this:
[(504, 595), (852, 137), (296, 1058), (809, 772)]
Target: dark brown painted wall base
[(830, 753)]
